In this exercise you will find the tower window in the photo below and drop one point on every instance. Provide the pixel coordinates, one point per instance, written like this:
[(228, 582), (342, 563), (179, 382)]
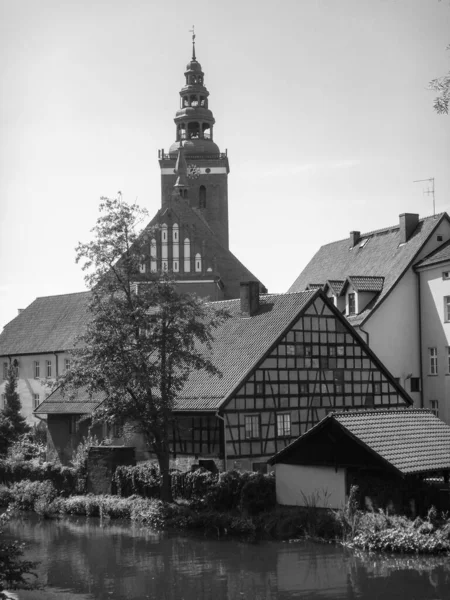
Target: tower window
[(153, 263), (198, 263), (187, 255), (202, 197)]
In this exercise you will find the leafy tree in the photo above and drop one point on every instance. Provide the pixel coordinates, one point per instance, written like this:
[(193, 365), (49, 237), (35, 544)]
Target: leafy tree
[(12, 423), (442, 86), (12, 567), (143, 339)]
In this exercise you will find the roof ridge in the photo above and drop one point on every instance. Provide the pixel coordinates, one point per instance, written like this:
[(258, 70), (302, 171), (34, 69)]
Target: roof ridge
[(387, 411), (61, 295)]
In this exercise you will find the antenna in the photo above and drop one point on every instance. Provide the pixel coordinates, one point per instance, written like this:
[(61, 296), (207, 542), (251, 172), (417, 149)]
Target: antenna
[(429, 191)]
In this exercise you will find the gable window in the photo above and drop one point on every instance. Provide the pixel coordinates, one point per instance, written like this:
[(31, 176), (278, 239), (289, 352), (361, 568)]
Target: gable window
[(446, 308), (251, 427), (37, 369), (49, 368), (415, 384), (5, 370), (283, 424), (434, 405), (66, 364), (446, 275), (376, 387), (36, 400), (439, 238), (432, 354), (352, 303)]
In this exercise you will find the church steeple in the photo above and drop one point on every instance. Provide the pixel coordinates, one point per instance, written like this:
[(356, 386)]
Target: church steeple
[(200, 165)]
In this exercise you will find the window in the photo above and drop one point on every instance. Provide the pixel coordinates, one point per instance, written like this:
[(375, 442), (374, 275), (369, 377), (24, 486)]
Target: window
[(5, 370), (415, 384), (198, 263), (49, 368), (432, 353), (202, 197), (37, 369), (251, 426), (446, 308), (434, 405), (142, 267), (66, 364), (446, 275), (439, 238), (283, 425), (368, 401), (352, 303), (376, 387), (36, 400), (3, 401)]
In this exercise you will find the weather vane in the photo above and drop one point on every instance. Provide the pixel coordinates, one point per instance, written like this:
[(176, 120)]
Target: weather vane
[(193, 41)]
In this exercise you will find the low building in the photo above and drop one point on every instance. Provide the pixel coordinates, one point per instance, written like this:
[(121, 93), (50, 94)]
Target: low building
[(387, 454), (286, 361)]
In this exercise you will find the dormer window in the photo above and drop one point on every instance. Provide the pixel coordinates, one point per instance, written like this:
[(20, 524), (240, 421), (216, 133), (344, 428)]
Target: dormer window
[(352, 303), (364, 242)]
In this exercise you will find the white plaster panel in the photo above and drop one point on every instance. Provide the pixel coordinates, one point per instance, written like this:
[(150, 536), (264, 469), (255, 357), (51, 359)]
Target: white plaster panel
[(303, 485)]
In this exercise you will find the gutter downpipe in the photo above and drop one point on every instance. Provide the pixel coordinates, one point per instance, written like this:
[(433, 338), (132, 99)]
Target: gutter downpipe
[(216, 414), (366, 333)]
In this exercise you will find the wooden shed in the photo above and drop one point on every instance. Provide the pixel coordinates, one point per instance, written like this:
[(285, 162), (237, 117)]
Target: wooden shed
[(398, 459)]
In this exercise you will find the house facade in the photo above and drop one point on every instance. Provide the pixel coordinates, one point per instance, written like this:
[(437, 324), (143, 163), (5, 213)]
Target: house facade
[(286, 361), (372, 280)]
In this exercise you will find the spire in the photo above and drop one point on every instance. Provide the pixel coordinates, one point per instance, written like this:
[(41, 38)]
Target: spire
[(193, 42), (180, 189)]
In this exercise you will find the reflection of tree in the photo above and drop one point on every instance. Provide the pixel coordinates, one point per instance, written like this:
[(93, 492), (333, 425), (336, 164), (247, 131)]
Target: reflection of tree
[(94, 558)]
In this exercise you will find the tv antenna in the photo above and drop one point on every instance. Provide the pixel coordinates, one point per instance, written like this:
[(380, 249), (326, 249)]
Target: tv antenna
[(429, 191)]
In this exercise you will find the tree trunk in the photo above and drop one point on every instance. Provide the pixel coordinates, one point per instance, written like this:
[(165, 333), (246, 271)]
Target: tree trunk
[(166, 481)]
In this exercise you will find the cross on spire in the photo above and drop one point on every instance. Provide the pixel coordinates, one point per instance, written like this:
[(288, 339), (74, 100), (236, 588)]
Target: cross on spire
[(193, 42)]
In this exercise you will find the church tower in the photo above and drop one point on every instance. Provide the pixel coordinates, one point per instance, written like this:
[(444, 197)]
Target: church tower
[(207, 167)]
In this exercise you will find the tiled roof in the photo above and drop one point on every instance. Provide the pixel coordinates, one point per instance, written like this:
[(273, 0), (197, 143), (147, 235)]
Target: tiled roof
[(336, 285), (239, 344), (49, 324), (383, 257), (441, 254), (410, 440), (366, 284)]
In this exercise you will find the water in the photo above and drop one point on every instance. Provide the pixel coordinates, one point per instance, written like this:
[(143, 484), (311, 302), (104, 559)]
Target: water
[(83, 559)]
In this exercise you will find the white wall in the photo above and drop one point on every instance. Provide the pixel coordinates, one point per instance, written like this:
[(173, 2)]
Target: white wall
[(300, 485), (435, 333)]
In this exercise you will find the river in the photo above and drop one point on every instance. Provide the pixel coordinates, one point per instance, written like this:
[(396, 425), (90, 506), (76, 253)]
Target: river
[(81, 559)]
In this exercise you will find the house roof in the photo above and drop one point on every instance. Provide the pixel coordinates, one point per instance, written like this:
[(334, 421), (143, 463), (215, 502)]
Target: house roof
[(409, 440), (49, 324), (440, 255), (382, 256), (239, 344), (366, 284)]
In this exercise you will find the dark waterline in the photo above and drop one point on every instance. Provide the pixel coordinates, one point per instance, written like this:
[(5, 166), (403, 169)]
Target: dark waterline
[(84, 559)]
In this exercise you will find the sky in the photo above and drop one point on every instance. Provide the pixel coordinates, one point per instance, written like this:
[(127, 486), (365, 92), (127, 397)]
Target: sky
[(322, 105)]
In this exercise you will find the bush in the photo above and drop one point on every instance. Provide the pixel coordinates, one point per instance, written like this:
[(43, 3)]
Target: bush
[(258, 494), (143, 480), (63, 478), (26, 495)]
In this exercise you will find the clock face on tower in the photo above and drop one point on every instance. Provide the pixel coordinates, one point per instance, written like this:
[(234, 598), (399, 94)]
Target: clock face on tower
[(193, 171)]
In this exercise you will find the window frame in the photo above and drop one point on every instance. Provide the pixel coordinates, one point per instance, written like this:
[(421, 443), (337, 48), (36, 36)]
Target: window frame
[(446, 309), (432, 361), (283, 424), (434, 406), (36, 400), (37, 369), (352, 296), (250, 431), (48, 368)]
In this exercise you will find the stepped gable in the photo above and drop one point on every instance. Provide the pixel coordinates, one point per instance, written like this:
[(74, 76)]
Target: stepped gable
[(408, 440), (379, 254), (49, 324)]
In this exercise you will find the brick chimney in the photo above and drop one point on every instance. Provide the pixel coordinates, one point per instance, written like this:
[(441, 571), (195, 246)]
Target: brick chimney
[(249, 298), (354, 238), (408, 223)]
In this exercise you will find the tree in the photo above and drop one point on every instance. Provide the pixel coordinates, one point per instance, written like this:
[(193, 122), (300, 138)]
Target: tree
[(442, 86), (12, 423), (143, 338)]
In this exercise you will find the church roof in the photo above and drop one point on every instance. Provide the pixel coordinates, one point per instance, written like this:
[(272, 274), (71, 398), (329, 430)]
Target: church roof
[(49, 324), (406, 440), (378, 255)]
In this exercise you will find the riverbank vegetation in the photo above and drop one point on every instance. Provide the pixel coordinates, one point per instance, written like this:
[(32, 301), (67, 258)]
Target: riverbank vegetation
[(225, 504)]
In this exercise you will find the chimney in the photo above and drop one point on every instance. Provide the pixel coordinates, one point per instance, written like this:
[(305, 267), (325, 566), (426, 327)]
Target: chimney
[(249, 298), (408, 223), (354, 238)]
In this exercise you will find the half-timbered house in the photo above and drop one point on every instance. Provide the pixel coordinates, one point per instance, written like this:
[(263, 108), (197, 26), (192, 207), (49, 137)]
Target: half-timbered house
[(286, 361)]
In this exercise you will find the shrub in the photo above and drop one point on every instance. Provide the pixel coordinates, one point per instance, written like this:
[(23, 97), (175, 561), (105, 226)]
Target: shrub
[(258, 493), (143, 480), (63, 478), (25, 494)]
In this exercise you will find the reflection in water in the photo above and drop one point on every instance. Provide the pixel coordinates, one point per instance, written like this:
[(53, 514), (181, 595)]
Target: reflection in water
[(84, 559)]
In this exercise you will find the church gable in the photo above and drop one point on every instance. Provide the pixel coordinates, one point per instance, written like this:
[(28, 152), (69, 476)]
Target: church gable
[(320, 365)]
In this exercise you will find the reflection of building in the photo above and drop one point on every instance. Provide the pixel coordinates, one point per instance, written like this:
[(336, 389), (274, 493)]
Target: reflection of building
[(188, 238), (372, 279), (286, 361)]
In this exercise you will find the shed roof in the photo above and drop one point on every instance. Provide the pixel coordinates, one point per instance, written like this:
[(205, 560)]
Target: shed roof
[(381, 256), (409, 440)]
